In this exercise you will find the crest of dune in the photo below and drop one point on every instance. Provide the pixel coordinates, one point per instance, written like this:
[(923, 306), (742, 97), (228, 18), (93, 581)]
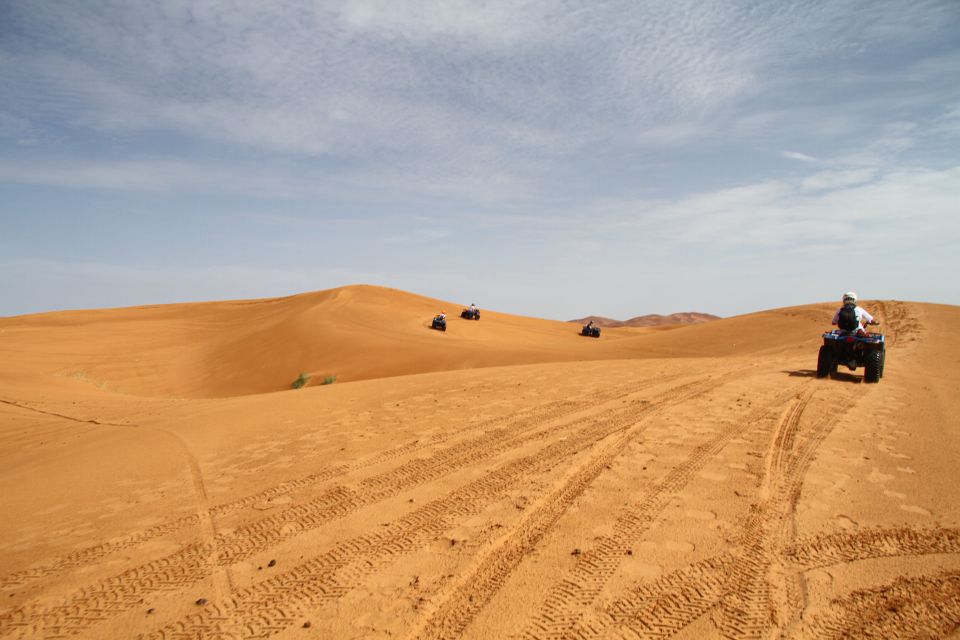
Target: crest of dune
[(233, 348)]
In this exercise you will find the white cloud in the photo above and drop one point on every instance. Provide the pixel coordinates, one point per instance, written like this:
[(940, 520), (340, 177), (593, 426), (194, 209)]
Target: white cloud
[(488, 23), (150, 176), (948, 124), (862, 210), (349, 79), (796, 155), (895, 138), (835, 179)]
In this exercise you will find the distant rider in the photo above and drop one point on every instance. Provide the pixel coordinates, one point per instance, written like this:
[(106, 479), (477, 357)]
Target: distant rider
[(473, 309), (851, 317), (443, 316)]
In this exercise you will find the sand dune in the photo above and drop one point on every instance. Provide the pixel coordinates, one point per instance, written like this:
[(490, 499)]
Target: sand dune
[(225, 349), (507, 478)]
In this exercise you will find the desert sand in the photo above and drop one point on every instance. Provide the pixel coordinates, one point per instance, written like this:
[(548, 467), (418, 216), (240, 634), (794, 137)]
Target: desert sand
[(505, 479)]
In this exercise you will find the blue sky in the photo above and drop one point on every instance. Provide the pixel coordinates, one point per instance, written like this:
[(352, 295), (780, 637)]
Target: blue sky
[(553, 159)]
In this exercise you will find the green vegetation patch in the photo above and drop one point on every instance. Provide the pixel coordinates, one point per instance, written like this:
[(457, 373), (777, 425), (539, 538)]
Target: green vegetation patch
[(301, 380)]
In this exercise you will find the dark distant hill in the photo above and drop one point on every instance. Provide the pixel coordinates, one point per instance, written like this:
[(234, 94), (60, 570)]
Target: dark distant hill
[(652, 320), (600, 321)]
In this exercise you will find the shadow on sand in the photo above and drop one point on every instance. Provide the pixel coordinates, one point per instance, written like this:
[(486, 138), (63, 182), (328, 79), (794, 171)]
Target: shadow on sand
[(839, 375)]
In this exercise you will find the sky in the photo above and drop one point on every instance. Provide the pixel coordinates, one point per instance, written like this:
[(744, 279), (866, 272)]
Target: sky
[(551, 159)]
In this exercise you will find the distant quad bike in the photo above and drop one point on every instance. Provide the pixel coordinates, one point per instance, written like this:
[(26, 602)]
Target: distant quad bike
[(591, 331), (852, 349), (440, 324), (467, 314)]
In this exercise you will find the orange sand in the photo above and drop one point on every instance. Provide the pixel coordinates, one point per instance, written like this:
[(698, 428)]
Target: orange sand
[(507, 478)]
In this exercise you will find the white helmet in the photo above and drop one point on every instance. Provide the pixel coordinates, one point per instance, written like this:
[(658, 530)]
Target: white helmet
[(850, 296)]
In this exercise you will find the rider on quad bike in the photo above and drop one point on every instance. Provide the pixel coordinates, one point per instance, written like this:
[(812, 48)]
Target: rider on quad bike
[(590, 330), (851, 317), (851, 345)]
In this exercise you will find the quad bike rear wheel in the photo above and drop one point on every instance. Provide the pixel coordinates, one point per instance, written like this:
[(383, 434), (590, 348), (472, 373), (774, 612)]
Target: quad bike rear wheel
[(826, 362), (874, 366)]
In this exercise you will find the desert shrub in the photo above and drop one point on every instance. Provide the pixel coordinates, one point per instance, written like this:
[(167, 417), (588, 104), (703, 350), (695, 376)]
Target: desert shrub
[(329, 380), (300, 381)]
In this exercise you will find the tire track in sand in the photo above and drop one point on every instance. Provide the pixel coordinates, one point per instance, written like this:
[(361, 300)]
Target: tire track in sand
[(840, 548), (666, 606), (924, 607), (473, 591), (759, 592), (277, 603), (492, 442), (753, 590), (94, 604), (562, 613), (764, 595), (90, 555)]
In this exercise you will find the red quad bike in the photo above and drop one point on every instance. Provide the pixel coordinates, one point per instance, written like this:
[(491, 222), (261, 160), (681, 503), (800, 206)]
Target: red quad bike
[(853, 349)]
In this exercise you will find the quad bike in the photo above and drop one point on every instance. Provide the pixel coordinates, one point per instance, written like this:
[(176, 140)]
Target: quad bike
[(467, 314), (440, 324), (591, 331), (853, 349)]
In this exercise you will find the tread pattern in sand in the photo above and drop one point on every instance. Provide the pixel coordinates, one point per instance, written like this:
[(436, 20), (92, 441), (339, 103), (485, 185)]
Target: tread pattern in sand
[(923, 607), (475, 590), (188, 565), (490, 428), (839, 548), (752, 593), (334, 573), (560, 614)]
